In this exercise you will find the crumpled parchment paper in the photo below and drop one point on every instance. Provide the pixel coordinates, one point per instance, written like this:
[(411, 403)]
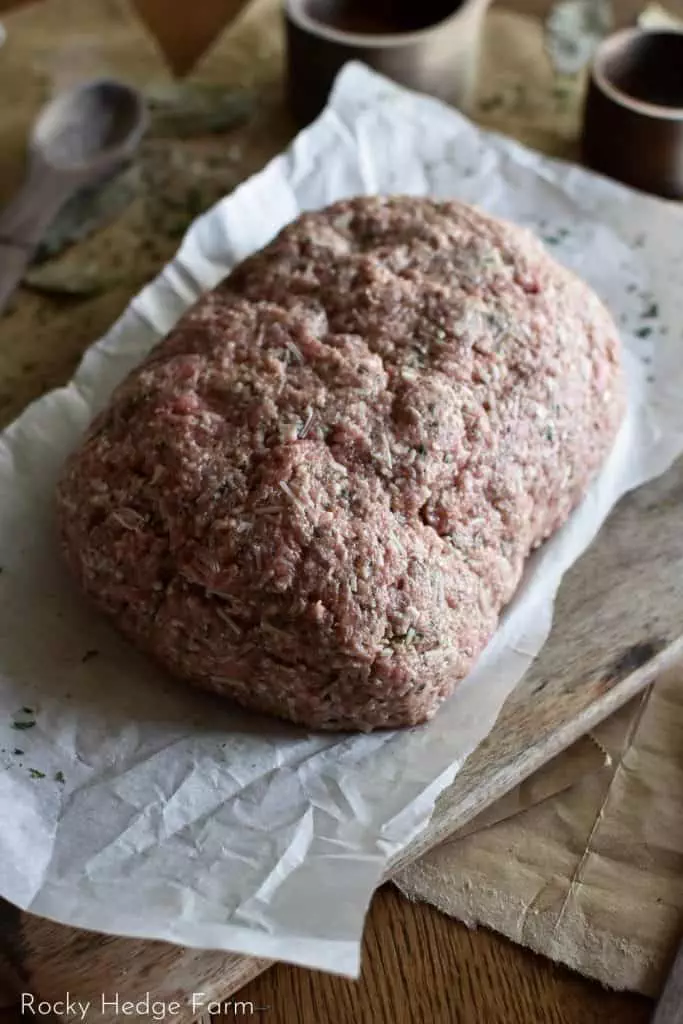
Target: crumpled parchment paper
[(131, 804)]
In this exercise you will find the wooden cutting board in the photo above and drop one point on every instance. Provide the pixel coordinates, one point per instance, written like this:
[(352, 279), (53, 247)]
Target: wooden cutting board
[(619, 621)]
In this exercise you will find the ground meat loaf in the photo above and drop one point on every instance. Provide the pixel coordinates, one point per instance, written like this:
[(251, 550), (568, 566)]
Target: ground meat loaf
[(317, 494)]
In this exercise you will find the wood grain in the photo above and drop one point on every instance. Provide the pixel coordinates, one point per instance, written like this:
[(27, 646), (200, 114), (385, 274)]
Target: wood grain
[(420, 966)]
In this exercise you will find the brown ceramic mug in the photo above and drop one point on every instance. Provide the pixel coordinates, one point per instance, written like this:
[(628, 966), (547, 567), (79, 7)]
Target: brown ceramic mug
[(430, 45), (633, 121)]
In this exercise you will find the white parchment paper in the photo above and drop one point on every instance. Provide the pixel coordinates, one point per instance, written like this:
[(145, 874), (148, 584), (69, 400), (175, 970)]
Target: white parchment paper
[(134, 805)]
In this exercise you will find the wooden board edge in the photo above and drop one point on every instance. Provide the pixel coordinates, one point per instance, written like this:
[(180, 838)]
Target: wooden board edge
[(448, 819)]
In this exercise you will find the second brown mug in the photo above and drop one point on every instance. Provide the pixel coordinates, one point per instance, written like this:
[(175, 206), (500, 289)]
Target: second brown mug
[(431, 46)]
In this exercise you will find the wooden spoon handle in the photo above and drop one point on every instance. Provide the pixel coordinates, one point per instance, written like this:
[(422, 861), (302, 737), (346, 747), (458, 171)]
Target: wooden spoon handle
[(24, 220), (13, 263), (23, 223)]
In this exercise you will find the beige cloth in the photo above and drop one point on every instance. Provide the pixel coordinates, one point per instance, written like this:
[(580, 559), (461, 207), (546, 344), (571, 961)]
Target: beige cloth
[(592, 877), (585, 757)]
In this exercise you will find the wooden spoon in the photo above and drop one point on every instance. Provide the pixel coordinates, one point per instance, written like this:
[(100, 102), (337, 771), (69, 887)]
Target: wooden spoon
[(80, 137)]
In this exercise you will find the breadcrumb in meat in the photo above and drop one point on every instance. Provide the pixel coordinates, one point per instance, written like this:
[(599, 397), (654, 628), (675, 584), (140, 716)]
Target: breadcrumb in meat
[(317, 494)]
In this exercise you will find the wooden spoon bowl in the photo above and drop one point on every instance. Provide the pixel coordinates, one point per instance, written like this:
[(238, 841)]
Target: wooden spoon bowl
[(79, 138)]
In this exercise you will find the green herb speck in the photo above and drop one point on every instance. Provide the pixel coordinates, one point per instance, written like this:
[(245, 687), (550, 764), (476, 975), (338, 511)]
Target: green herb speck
[(421, 450), (550, 432), (176, 228), (491, 103), (651, 311), (17, 752), (59, 777), (27, 711), (23, 725), (35, 774), (195, 202), (644, 332)]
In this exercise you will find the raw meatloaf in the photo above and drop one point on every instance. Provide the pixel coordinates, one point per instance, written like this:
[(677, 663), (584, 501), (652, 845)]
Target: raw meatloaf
[(317, 494)]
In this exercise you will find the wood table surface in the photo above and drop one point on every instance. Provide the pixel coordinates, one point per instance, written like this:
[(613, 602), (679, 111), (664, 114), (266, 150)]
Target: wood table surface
[(421, 967), (418, 965)]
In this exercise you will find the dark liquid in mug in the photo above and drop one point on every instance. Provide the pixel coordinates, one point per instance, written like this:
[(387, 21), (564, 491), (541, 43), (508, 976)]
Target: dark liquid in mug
[(381, 17), (651, 71)]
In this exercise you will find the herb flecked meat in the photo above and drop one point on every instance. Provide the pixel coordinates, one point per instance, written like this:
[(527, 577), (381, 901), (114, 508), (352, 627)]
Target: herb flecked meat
[(317, 494)]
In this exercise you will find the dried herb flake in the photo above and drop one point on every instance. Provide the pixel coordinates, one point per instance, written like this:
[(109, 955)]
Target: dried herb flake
[(491, 103), (70, 280)]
